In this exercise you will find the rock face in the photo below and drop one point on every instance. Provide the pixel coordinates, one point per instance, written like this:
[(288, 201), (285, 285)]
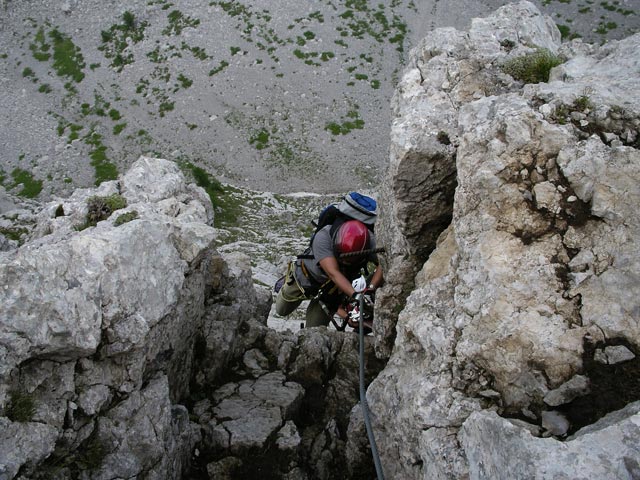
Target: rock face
[(97, 330), (534, 279), (131, 348)]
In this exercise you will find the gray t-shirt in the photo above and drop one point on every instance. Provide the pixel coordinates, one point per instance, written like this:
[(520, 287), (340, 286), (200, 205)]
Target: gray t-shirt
[(322, 247)]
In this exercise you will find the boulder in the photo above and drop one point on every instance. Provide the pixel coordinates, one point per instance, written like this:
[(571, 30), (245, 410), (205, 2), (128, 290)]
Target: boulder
[(536, 270), (99, 322), (608, 451)]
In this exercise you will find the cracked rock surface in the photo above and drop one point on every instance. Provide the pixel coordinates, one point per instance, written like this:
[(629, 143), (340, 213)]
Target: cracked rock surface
[(537, 269)]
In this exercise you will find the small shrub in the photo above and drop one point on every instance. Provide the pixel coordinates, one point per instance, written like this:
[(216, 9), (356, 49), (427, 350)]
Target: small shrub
[(533, 67), (27, 72), (582, 103), (126, 217), (45, 88), (21, 407), (101, 208)]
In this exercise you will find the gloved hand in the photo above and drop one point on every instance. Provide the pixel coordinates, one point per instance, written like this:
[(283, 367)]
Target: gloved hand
[(359, 284)]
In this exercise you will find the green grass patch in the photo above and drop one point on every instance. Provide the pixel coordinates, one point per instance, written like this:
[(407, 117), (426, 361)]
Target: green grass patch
[(234, 50), (227, 209), (198, 52), (178, 22), (565, 31), (223, 64), (165, 107), (608, 6), (117, 38), (125, 218), (533, 67), (375, 84), (117, 129), (326, 56), (40, 49), (44, 88), (14, 233), (103, 168), (361, 76), (114, 115), (260, 139), (184, 81), (67, 58), (27, 72), (100, 208), (353, 122), (31, 187)]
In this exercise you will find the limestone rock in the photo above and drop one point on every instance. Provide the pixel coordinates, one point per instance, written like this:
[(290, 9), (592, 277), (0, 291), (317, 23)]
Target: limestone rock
[(24, 445), (577, 386), (618, 354), (540, 258), (548, 458), (555, 423), (98, 326), (254, 410)]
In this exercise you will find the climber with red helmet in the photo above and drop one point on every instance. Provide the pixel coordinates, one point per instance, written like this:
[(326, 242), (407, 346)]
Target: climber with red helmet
[(337, 253)]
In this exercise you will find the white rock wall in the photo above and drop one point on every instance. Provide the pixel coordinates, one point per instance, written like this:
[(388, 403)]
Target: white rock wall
[(538, 266)]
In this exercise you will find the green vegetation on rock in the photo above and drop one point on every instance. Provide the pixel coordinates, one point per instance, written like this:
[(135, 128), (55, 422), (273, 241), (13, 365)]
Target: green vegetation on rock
[(178, 22), (227, 209), (116, 39), (100, 208), (104, 169), (67, 58), (40, 49), (353, 122), (21, 407), (533, 67), (125, 218), (31, 188)]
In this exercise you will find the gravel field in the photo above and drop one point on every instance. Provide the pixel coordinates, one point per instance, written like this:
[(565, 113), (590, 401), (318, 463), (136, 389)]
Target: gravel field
[(277, 96)]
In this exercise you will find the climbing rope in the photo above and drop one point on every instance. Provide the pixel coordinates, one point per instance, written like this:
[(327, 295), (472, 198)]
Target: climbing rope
[(363, 397)]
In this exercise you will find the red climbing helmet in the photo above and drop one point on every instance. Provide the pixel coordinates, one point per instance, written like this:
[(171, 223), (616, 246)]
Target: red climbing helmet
[(352, 236)]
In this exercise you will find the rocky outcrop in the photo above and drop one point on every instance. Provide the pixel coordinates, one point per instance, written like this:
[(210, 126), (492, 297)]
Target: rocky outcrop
[(534, 279), (130, 347), (289, 410), (98, 323)]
